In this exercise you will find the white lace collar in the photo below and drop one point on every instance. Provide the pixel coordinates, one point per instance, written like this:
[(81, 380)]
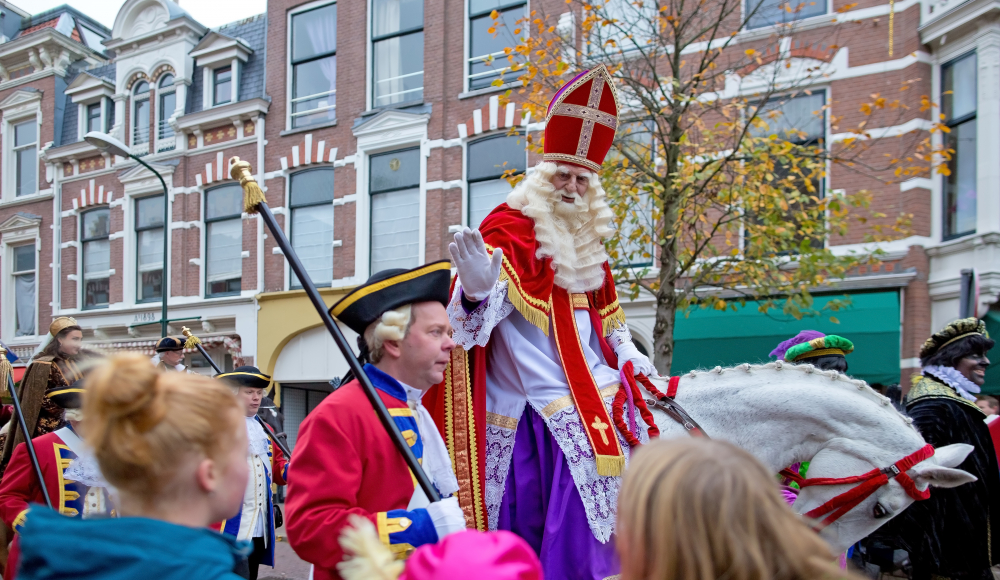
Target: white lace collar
[(954, 379)]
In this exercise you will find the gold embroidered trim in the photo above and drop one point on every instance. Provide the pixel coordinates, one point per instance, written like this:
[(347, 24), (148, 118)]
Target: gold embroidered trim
[(401, 412), (520, 300), (501, 421), (396, 525), (572, 159), (927, 388), (477, 496), (588, 113), (609, 308), (380, 525), (567, 401), (19, 521), (614, 321), (819, 352), (580, 301), (401, 551)]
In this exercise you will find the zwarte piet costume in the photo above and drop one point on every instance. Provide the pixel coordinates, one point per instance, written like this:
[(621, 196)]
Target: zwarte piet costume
[(345, 462), (954, 534)]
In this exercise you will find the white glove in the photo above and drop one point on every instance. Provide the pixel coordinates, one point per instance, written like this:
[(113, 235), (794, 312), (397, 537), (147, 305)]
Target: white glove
[(448, 518), (627, 352), (476, 271)]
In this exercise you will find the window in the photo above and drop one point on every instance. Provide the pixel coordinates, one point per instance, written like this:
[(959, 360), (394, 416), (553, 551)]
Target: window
[(632, 26), (140, 116), (168, 102), (484, 45), (312, 223), (24, 289), (488, 160), (958, 103), (800, 120), (149, 249), (93, 117), (223, 85), (109, 117), (26, 158), (637, 139), (223, 240), (398, 50), (395, 198), (96, 257), (768, 12), (314, 66)]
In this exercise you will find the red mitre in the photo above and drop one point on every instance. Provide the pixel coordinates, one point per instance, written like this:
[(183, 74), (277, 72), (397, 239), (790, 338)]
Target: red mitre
[(581, 120)]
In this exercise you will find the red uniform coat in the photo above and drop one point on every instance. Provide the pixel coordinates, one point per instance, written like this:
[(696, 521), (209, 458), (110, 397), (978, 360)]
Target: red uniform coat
[(344, 463), (19, 487)]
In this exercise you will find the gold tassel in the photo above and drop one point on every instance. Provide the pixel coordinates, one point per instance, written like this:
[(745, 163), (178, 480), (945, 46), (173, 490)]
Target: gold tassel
[(530, 313), (253, 195), (6, 370), (613, 322), (192, 340), (610, 465)]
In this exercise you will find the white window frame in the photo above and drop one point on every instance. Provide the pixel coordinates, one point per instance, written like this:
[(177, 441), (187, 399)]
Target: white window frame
[(138, 148), (170, 142), (290, 68), (288, 221), (27, 106), (81, 262), (824, 17), (466, 79), (466, 201), (204, 224), (15, 149), (370, 59), (26, 234), (208, 82), (134, 212)]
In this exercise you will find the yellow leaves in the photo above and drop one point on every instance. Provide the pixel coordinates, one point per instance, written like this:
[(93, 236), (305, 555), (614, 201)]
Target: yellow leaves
[(492, 29), (866, 109), (749, 52), (495, 15)]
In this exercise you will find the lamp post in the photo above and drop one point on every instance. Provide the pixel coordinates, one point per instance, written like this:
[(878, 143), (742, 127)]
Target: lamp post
[(109, 144)]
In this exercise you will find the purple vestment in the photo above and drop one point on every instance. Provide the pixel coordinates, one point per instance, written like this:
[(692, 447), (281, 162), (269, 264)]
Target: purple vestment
[(542, 505)]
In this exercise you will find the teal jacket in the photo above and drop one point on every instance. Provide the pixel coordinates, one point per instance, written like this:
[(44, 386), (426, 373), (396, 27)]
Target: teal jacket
[(55, 546)]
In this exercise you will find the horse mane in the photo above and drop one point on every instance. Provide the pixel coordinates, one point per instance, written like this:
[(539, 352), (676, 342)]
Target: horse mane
[(840, 379)]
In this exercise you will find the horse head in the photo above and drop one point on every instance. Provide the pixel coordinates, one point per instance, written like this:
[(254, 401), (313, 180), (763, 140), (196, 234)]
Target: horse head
[(847, 459), (870, 461)]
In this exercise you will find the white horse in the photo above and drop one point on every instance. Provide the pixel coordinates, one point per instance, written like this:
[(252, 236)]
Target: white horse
[(785, 413)]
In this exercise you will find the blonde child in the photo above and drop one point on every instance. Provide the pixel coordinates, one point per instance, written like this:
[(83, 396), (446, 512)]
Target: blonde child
[(174, 446), (699, 509)]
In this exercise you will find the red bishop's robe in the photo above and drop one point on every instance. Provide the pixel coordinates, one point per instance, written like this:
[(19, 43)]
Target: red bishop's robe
[(458, 404), (19, 488), (344, 463)]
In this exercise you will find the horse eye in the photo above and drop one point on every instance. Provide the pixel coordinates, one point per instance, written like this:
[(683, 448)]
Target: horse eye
[(879, 512)]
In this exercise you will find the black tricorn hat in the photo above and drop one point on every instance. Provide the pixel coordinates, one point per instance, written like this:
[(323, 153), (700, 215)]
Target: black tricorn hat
[(168, 343), (66, 397), (391, 289), (247, 376)]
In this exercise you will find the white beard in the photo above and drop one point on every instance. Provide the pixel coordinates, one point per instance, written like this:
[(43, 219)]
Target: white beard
[(572, 235)]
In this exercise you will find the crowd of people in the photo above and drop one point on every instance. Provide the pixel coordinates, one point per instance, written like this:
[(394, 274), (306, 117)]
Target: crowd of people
[(510, 439)]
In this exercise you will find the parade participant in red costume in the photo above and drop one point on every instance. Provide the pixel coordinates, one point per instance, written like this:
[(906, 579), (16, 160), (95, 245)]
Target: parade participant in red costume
[(527, 402), (345, 462), (72, 492)]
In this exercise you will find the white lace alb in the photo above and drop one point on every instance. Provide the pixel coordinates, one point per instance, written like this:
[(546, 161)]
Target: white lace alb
[(474, 328), (499, 450)]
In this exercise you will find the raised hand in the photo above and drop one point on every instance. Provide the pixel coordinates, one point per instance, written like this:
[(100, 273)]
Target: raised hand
[(477, 270)]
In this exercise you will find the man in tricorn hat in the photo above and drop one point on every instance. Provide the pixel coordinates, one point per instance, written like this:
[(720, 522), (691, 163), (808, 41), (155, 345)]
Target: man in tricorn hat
[(345, 463), (956, 533), (74, 489), (256, 520), (170, 354)]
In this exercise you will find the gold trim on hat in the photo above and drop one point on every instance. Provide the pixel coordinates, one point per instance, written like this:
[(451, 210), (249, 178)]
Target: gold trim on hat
[(61, 323), (363, 291)]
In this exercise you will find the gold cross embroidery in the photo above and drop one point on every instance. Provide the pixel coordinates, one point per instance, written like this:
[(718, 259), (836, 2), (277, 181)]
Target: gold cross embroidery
[(602, 427)]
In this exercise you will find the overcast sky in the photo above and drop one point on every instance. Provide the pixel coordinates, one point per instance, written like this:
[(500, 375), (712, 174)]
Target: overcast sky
[(211, 13)]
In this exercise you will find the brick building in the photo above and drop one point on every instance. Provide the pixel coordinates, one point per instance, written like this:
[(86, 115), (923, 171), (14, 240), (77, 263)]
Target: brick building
[(374, 145)]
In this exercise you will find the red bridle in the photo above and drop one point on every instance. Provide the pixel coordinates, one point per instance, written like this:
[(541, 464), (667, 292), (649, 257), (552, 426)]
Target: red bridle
[(868, 483)]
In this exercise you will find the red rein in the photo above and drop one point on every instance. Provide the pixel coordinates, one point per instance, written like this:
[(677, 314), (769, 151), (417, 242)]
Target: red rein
[(618, 407), (868, 483)]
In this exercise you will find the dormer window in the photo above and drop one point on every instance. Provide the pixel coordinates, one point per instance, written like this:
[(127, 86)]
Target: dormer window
[(140, 113), (223, 85), (94, 117)]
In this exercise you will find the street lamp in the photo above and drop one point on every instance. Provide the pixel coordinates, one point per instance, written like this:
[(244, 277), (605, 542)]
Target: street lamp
[(108, 144)]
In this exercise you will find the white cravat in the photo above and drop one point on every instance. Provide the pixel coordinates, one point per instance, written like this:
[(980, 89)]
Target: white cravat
[(436, 461)]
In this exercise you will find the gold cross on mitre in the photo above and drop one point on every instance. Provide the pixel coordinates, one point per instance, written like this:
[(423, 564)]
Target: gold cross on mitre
[(602, 427)]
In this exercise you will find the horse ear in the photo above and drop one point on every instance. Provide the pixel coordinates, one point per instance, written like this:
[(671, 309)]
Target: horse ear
[(938, 476), (952, 455)]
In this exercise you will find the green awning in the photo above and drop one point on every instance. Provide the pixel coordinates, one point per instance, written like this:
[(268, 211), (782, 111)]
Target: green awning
[(992, 385), (709, 338)]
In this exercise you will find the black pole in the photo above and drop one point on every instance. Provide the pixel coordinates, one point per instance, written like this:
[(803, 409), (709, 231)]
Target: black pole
[(166, 242), (240, 170), (28, 443), (267, 430)]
